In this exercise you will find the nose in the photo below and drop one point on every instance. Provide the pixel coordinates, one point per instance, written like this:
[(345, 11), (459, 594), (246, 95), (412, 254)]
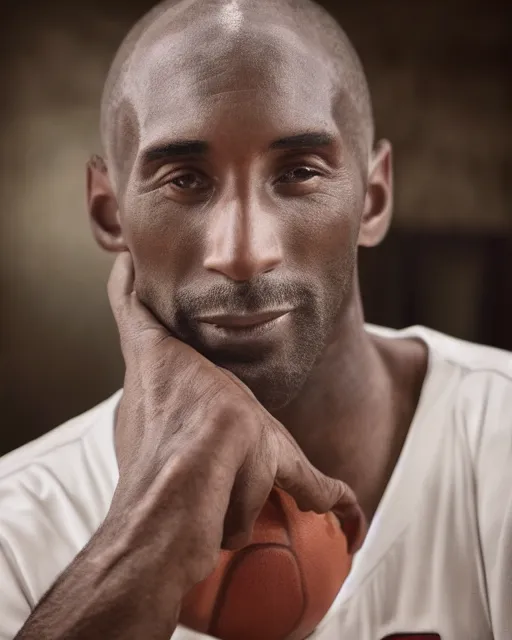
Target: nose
[(242, 240)]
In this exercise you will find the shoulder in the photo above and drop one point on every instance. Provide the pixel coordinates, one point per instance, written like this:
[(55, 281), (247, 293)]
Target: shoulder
[(482, 400), (472, 358), (469, 357), (60, 445), (63, 480), (471, 384), (54, 493), (68, 461), (481, 376)]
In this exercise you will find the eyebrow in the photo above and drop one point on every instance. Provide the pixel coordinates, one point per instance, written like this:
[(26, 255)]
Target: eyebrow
[(176, 149), (181, 148), (304, 140)]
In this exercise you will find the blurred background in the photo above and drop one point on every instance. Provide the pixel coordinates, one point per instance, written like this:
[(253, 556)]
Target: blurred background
[(440, 75)]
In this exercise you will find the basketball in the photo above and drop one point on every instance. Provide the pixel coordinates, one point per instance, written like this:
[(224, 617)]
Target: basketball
[(278, 587)]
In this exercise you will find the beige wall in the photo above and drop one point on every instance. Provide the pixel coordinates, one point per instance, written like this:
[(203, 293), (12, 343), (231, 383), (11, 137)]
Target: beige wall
[(442, 95)]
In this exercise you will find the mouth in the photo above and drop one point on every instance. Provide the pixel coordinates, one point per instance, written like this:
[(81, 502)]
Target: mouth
[(243, 321), (243, 333)]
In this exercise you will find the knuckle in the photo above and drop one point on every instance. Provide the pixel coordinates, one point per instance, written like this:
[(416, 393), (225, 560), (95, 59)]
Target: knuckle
[(330, 493), (235, 418)]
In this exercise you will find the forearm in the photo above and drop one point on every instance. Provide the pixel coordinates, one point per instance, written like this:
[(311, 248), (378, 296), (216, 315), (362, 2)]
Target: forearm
[(111, 590)]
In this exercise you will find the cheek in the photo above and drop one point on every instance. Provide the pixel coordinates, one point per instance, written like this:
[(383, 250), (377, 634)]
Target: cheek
[(164, 248), (163, 243), (322, 233)]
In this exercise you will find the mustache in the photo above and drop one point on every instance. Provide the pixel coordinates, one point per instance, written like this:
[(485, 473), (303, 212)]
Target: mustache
[(239, 298)]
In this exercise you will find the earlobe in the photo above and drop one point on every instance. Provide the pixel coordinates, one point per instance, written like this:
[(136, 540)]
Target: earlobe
[(103, 207), (378, 204)]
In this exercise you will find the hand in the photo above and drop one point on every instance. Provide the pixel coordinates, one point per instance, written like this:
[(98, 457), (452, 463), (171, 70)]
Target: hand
[(197, 454)]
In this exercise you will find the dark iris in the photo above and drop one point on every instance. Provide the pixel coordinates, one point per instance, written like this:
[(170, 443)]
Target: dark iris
[(188, 181), (300, 174)]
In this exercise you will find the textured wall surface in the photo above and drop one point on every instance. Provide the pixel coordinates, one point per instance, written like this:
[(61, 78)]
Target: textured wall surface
[(439, 73)]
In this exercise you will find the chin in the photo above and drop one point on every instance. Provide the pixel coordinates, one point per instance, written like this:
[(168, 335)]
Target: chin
[(273, 386)]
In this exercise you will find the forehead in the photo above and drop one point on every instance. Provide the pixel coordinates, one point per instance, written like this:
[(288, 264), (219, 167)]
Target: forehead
[(211, 80)]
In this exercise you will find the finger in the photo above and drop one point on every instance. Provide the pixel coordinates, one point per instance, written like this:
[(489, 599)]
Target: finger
[(314, 491), (250, 492), (126, 306), (133, 319), (120, 283)]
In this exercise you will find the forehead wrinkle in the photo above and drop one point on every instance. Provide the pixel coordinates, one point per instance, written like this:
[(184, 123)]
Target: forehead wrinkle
[(211, 119), (171, 65), (195, 99), (282, 61)]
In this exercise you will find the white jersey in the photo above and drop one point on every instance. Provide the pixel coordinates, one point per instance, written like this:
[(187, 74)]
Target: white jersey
[(437, 562)]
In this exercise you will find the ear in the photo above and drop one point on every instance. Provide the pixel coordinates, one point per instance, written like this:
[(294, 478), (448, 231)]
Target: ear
[(103, 208), (378, 203)]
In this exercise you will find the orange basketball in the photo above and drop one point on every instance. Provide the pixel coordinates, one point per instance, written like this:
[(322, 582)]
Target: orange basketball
[(281, 585)]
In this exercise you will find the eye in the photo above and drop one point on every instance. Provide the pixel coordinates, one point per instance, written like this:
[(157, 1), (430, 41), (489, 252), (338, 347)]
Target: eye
[(298, 174), (189, 181)]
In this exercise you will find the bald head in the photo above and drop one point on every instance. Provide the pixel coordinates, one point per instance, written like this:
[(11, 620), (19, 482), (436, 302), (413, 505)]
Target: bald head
[(190, 32)]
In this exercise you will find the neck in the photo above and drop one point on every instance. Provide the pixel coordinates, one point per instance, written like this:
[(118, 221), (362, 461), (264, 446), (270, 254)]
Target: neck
[(352, 416)]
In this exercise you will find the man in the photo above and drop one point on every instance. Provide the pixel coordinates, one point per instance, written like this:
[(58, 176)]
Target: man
[(239, 178)]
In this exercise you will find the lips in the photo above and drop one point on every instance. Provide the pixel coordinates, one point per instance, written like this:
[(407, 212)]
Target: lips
[(242, 335), (243, 321)]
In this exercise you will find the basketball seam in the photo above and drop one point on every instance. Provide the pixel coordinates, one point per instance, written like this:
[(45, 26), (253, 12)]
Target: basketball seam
[(303, 589), (289, 534)]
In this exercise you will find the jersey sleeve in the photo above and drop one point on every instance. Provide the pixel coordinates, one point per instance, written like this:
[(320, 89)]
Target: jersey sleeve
[(494, 491), (14, 607)]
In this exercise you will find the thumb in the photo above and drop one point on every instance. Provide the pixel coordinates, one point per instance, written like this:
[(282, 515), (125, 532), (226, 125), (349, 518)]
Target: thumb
[(132, 317), (314, 491)]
